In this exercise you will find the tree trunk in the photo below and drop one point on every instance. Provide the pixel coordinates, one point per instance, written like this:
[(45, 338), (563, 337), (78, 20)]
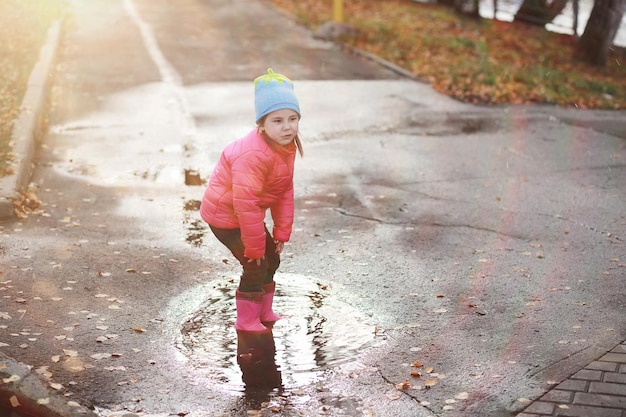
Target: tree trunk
[(604, 21), (539, 12), (575, 5), (467, 7)]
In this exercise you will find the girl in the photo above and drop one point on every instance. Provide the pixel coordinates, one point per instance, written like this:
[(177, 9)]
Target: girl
[(254, 174)]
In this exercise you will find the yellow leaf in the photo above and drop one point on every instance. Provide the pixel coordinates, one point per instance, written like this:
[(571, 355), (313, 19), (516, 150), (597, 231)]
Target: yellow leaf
[(429, 383), (12, 378), (403, 385), (56, 386)]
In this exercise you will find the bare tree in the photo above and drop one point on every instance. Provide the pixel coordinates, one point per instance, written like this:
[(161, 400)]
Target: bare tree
[(575, 6), (467, 7), (604, 21)]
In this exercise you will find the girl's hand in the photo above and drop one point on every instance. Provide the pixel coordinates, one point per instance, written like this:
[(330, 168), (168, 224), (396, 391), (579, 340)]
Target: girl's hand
[(258, 261), (279, 246)]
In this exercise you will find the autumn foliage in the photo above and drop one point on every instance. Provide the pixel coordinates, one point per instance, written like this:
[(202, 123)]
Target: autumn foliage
[(477, 61)]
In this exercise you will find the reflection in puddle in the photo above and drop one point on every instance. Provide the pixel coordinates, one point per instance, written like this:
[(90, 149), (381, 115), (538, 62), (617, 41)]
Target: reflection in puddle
[(318, 333), (196, 227), (256, 356)]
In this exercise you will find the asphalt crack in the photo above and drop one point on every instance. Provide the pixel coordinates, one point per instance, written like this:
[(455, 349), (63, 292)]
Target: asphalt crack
[(436, 224)]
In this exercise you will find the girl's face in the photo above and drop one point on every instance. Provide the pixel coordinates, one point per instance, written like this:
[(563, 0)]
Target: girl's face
[(281, 126)]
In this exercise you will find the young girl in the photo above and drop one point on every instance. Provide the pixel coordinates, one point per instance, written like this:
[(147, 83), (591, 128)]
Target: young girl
[(254, 174)]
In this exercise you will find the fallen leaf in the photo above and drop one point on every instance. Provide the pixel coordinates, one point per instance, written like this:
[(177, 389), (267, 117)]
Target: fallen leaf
[(462, 396), (12, 378), (43, 371), (429, 383), (138, 329), (43, 401), (115, 368), (403, 385), (393, 395), (416, 374), (71, 353), (14, 401), (417, 364), (98, 356), (74, 365), (56, 386)]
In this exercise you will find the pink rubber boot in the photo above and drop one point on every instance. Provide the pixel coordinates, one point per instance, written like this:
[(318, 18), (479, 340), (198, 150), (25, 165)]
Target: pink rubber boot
[(248, 311), (267, 315)]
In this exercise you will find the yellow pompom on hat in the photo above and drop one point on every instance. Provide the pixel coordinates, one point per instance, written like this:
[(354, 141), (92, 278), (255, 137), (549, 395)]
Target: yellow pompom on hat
[(273, 91)]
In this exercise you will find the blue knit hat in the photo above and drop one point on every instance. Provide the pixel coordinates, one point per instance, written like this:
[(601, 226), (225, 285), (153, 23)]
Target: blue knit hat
[(273, 92)]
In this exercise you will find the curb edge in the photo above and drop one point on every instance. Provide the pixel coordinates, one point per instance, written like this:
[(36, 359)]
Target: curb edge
[(27, 126)]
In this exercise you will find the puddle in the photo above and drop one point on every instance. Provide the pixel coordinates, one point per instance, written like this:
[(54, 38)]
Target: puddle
[(318, 332), (192, 177), (196, 227)]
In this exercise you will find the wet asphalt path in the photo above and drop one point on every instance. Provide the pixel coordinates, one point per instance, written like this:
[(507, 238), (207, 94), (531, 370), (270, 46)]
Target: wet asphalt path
[(487, 244)]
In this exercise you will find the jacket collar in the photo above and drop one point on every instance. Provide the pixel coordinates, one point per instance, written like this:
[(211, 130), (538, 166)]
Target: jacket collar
[(281, 150)]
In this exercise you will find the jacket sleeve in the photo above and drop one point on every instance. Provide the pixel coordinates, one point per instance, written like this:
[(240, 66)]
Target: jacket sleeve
[(249, 175), (282, 215)]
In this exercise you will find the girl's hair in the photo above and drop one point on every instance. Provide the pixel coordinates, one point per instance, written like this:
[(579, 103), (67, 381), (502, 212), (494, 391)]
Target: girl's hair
[(296, 139)]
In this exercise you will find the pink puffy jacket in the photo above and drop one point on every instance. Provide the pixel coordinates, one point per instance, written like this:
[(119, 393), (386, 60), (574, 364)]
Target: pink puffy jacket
[(251, 176)]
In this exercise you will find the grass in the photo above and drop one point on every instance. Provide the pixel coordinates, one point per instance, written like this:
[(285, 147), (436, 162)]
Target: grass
[(477, 61), (23, 28)]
